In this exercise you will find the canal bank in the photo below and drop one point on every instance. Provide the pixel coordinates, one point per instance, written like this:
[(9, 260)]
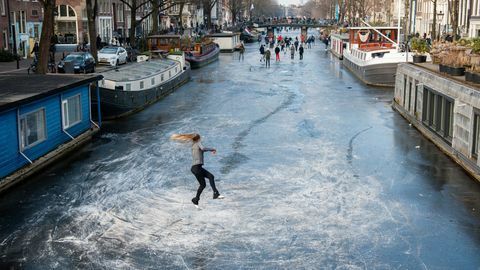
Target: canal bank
[(317, 170), (444, 109)]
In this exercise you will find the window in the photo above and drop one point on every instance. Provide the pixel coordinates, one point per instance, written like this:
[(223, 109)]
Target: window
[(409, 95), (415, 98), (476, 134), (23, 22), (2, 7), (153, 81), (63, 11), (438, 113), (71, 111), (34, 13), (36, 31), (5, 40), (404, 90), (32, 128), (141, 85), (129, 87), (162, 78)]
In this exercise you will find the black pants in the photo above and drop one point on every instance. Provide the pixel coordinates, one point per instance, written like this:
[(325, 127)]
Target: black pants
[(200, 173)]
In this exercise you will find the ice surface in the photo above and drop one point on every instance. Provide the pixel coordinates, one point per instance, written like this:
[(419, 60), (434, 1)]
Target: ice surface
[(317, 173)]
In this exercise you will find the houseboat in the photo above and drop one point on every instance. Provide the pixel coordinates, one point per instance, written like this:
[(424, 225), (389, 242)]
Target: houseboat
[(228, 42), (202, 54), (338, 42), (249, 35), (373, 55), (43, 117), (198, 54), (127, 90)]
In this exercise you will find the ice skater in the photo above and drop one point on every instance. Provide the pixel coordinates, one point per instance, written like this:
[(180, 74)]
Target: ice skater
[(197, 166)]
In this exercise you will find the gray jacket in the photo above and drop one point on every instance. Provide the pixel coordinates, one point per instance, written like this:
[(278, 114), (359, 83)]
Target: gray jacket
[(197, 153)]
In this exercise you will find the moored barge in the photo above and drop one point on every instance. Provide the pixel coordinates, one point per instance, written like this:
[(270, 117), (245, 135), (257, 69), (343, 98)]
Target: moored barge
[(128, 90)]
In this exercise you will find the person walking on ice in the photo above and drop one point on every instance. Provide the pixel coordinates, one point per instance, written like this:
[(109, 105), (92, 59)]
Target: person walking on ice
[(242, 51), (277, 53), (300, 51), (197, 166), (267, 58)]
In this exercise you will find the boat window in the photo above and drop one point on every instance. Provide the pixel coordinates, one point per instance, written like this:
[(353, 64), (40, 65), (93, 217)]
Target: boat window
[(169, 74), (176, 70), (71, 111), (32, 128), (162, 77), (141, 84), (129, 87), (379, 54), (153, 81)]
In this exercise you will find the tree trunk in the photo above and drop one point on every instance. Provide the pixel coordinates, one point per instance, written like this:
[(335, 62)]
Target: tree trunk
[(434, 24), (155, 13), (455, 19), (47, 33), (182, 4), (92, 30), (133, 23)]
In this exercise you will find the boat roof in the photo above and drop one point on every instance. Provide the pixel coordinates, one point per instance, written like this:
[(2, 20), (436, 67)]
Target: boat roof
[(17, 89), (223, 34), (139, 71), (374, 27)]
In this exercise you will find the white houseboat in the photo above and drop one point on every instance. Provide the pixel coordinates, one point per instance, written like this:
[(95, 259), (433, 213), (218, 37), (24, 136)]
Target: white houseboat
[(228, 42), (373, 55), (338, 42)]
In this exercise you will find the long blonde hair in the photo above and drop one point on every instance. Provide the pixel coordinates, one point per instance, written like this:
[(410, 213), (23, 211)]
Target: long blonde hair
[(189, 137)]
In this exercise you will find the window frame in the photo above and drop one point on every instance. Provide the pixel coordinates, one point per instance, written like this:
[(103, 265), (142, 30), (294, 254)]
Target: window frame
[(20, 134), (66, 124)]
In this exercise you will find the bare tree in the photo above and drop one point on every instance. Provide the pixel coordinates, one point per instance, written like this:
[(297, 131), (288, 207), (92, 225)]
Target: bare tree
[(138, 5), (207, 10), (235, 7), (92, 7), (47, 33)]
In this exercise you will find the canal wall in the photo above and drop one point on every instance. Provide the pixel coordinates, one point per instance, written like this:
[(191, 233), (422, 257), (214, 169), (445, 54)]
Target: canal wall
[(444, 110)]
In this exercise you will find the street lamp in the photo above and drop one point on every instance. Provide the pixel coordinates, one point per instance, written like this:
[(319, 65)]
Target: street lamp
[(439, 18)]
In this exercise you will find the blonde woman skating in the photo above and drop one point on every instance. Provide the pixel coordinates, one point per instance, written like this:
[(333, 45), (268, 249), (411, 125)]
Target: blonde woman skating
[(197, 166)]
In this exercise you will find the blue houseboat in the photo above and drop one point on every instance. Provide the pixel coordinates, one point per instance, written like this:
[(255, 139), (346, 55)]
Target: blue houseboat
[(42, 117)]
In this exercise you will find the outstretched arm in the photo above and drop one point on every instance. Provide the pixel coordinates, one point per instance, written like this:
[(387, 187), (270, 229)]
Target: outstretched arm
[(207, 149)]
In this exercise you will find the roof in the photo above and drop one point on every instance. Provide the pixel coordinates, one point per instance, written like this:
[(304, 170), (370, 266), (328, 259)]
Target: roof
[(17, 89), (139, 71)]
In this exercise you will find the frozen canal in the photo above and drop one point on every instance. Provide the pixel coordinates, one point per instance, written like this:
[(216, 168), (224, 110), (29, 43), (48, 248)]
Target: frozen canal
[(317, 170)]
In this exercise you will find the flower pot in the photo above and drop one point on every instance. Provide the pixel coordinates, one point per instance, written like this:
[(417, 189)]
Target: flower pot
[(419, 58), (456, 71), (471, 76)]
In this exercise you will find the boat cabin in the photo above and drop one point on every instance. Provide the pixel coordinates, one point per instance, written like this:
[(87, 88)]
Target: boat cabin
[(165, 43), (367, 39), (43, 117), (204, 47)]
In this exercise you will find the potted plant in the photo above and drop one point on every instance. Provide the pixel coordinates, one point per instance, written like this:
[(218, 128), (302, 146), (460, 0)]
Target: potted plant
[(456, 67), (473, 72), (420, 47)]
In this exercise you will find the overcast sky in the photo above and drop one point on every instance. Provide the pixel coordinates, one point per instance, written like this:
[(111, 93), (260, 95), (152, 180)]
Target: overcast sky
[(289, 2)]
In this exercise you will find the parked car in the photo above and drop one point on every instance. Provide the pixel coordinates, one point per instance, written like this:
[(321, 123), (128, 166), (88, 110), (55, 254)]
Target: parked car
[(112, 55), (77, 62)]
